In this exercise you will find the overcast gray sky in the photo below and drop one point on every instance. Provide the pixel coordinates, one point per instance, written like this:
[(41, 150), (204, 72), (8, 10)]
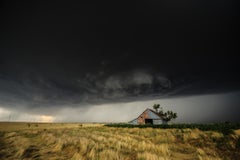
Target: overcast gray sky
[(108, 61), (198, 109)]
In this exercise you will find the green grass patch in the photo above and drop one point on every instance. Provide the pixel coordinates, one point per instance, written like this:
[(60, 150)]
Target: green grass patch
[(224, 128)]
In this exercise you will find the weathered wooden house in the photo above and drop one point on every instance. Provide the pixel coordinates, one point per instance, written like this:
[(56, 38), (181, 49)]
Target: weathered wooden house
[(148, 117)]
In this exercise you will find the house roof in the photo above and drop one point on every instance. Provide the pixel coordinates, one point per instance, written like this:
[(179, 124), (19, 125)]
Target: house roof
[(152, 112), (148, 109)]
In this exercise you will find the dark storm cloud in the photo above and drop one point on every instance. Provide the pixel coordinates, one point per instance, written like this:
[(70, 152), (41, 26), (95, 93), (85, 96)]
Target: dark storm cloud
[(33, 90), (59, 53)]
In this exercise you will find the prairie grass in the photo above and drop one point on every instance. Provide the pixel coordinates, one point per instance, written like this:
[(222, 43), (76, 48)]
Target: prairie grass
[(98, 142)]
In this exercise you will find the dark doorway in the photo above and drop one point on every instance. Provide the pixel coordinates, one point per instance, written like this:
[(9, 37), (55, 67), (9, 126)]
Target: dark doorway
[(148, 121)]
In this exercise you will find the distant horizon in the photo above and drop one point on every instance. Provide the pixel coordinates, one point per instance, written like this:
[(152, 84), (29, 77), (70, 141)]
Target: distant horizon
[(170, 123)]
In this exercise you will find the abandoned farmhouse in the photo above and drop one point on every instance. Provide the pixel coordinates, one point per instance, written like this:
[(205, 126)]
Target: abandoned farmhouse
[(148, 117)]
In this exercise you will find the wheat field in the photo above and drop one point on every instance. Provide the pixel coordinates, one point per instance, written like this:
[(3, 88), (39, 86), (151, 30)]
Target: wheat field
[(62, 141)]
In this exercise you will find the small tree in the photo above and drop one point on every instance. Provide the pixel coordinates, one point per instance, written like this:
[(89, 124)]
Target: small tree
[(156, 107), (167, 116)]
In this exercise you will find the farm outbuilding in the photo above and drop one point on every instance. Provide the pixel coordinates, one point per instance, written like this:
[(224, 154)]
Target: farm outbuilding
[(148, 117)]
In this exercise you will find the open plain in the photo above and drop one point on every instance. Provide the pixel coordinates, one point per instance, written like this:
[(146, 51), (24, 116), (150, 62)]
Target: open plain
[(75, 141)]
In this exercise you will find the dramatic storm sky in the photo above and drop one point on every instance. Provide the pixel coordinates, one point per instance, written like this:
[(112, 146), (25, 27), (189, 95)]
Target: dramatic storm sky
[(70, 61)]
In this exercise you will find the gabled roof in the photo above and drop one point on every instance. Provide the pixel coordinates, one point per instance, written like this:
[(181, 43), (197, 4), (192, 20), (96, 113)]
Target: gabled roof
[(148, 109), (152, 112)]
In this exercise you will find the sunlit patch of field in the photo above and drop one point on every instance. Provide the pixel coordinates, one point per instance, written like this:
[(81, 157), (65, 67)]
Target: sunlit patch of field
[(61, 141)]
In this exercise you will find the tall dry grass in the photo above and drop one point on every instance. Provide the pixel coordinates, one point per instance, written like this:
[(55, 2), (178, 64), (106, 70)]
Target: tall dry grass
[(88, 142)]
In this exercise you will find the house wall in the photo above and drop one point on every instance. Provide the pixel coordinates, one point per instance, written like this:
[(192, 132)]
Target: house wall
[(142, 117), (157, 121)]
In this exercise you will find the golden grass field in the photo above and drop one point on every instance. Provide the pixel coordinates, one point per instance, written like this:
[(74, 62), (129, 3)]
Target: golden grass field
[(62, 141)]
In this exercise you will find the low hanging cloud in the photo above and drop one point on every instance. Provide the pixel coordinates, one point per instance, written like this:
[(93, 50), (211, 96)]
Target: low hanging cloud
[(35, 91), (125, 80), (133, 83), (38, 91)]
